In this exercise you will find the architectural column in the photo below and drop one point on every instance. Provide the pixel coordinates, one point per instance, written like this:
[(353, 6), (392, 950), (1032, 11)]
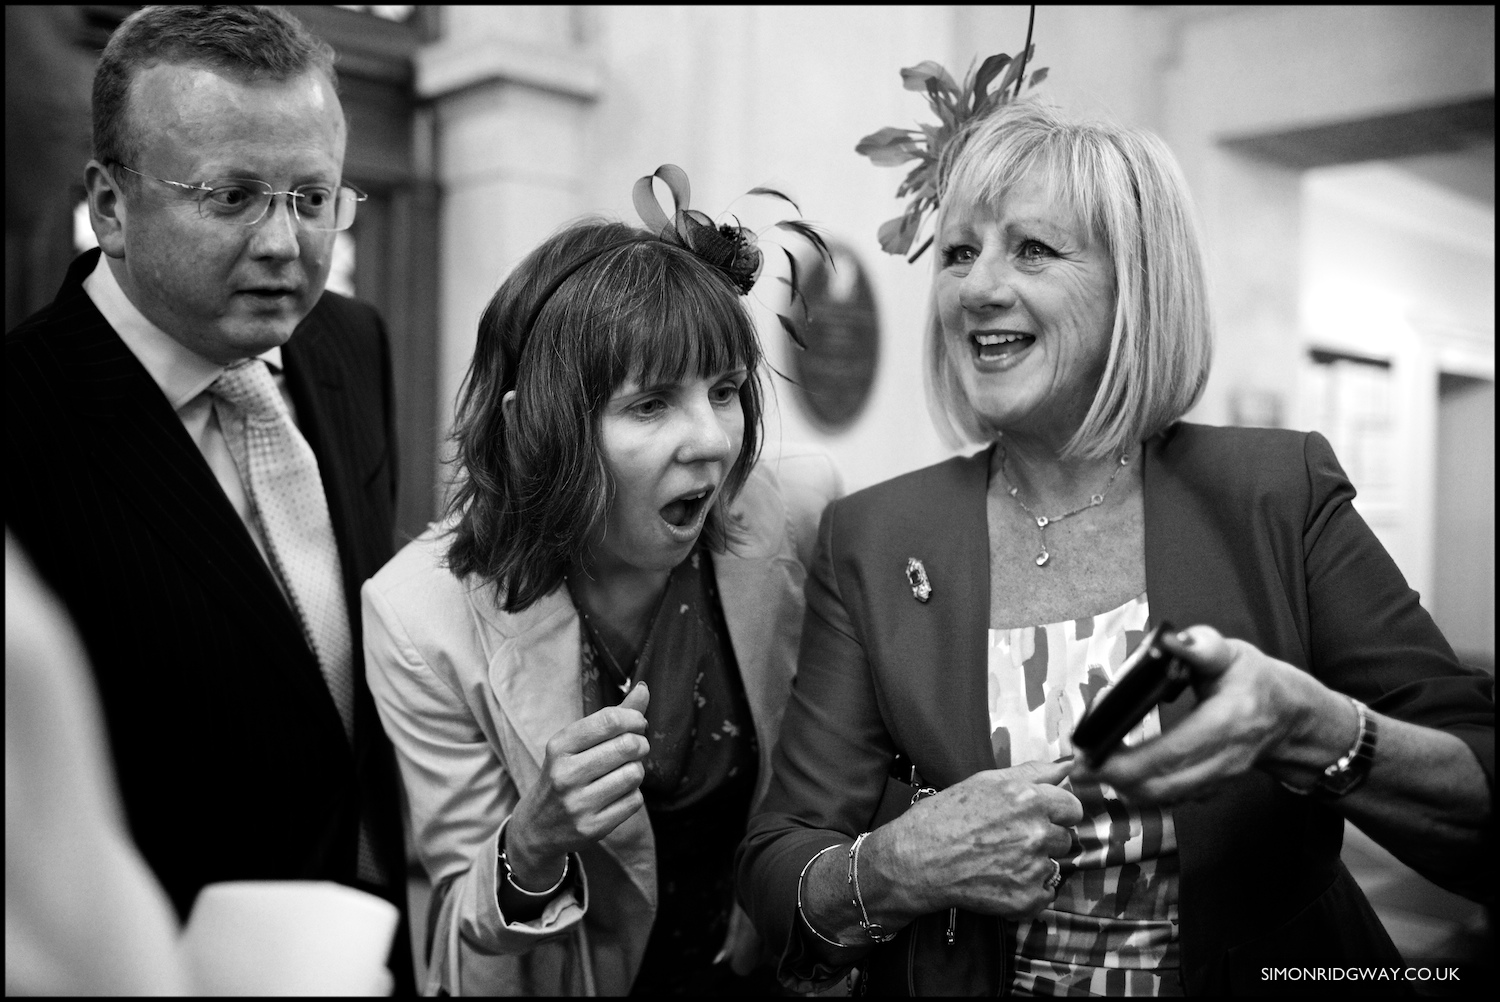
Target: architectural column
[(511, 90)]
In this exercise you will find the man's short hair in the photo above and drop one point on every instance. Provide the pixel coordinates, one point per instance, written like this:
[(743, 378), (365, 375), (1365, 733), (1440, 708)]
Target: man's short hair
[(252, 42), (596, 304), (1124, 185)]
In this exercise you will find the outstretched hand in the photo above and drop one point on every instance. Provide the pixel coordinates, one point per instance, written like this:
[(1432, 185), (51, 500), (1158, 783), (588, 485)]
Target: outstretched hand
[(1253, 712)]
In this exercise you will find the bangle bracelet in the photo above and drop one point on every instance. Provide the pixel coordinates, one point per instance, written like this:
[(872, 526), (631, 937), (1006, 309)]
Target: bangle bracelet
[(805, 920), (872, 929), (510, 875)]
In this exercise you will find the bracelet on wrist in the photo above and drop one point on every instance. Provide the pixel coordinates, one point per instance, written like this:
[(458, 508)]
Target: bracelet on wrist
[(1349, 771), (872, 929), (800, 911), (510, 875)]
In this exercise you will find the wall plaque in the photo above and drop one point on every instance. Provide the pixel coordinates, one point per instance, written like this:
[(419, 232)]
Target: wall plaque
[(836, 372)]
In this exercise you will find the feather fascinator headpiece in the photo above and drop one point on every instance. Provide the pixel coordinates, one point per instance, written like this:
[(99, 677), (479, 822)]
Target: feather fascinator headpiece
[(957, 107), (731, 248)]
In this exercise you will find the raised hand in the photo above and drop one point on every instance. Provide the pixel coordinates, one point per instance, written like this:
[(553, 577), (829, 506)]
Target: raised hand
[(590, 784)]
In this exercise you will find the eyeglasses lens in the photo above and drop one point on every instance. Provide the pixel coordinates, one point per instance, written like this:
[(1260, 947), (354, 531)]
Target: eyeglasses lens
[(245, 203)]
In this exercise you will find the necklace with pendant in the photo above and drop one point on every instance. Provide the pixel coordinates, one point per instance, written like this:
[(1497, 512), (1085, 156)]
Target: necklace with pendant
[(622, 676), (619, 675), (1042, 521)]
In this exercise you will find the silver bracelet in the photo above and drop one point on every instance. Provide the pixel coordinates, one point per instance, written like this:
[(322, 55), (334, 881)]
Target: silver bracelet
[(872, 929), (510, 875), (805, 920)]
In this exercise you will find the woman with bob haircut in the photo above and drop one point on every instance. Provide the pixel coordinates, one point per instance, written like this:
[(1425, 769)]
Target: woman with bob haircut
[(963, 618), (607, 620), (1126, 184)]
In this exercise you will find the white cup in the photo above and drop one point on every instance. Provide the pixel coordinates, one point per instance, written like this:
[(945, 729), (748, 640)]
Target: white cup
[(288, 937)]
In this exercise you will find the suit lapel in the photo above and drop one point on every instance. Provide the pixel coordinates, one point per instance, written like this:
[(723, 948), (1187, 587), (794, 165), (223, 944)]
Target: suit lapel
[(1192, 576), (533, 671), (149, 460), (754, 589), (317, 390), (325, 409), (1181, 584), (943, 728)]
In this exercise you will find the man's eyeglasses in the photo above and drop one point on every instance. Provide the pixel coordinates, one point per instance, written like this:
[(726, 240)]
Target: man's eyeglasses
[(244, 202)]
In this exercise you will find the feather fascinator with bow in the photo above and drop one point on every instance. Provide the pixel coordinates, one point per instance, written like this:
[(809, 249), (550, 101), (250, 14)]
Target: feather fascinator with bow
[(731, 248)]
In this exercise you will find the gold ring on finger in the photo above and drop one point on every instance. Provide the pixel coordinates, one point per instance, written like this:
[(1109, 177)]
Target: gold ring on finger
[(1055, 880)]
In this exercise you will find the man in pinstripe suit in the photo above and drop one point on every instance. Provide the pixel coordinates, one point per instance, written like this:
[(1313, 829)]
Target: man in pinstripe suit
[(215, 191)]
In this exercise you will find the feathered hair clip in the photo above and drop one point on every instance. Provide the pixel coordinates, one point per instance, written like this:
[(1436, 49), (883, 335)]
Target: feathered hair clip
[(731, 248), (956, 108)]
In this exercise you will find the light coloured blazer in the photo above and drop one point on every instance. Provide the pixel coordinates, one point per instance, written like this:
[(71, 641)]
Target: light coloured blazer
[(470, 694)]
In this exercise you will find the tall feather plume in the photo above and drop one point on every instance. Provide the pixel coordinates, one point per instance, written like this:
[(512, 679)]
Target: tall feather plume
[(955, 106)]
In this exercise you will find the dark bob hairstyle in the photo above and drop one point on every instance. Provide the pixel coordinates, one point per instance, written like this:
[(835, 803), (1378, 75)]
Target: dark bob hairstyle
[(596, 304)]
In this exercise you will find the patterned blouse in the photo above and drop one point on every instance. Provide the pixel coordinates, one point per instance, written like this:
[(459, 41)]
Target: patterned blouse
[(1113, 928), (700, 773)]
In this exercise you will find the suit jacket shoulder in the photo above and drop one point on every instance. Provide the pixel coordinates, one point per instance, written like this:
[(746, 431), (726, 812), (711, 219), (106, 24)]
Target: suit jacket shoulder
[(1238, 466), (345, 341), (807, 479), (912, 494)]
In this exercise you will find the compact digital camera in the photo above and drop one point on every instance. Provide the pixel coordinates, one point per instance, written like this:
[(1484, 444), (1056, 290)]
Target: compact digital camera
[(1153, 673)]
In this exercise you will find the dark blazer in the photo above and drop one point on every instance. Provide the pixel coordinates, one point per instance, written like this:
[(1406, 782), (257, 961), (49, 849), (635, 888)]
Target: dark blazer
[(227, 746), (1250, 531)]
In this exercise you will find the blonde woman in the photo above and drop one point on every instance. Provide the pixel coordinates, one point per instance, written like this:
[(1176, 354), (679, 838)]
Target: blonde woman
[(962, 618)]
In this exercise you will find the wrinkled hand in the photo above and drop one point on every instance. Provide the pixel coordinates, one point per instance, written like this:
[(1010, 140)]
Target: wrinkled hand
[(984, 844), (590, 784), (1253, 712)]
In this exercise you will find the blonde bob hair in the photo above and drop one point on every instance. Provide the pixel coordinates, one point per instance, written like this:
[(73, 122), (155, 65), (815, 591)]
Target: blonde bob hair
[(1126, 187)]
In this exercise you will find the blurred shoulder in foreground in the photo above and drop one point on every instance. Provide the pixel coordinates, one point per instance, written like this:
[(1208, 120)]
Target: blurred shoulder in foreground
[(83, 914)]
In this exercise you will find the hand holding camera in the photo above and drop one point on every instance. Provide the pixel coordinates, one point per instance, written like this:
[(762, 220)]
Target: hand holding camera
[(1153, 673), (1253, 712)]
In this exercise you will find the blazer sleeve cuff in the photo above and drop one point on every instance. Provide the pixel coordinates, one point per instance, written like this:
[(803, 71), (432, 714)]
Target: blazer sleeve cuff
[(476, 925), (807, 968), (562, 910)]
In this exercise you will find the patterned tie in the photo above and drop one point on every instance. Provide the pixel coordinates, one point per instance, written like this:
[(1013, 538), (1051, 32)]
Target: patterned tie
[(281, 476)]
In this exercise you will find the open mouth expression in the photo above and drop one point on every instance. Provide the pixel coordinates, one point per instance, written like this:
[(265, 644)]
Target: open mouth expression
[(1000, 349), (1025, 297), (669, 449)]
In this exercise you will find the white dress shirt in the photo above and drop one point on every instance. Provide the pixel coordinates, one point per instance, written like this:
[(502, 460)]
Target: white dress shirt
[(184, 377)]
